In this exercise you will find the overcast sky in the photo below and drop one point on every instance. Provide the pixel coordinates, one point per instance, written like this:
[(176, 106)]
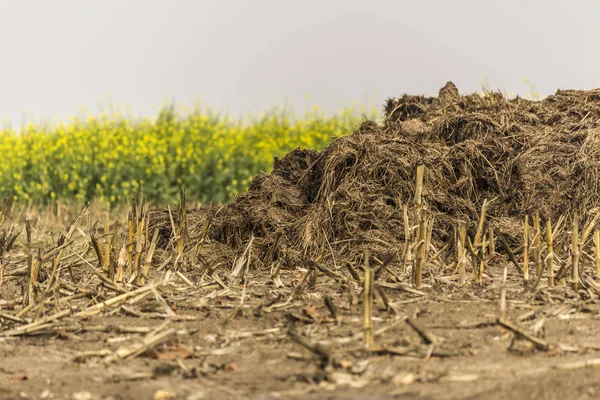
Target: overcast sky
[(237, 55)]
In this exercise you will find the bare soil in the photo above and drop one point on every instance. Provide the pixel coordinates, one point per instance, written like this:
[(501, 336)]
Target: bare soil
[(236, 343)]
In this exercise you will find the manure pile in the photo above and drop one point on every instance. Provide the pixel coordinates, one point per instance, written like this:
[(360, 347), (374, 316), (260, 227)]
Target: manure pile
[(521, 156)]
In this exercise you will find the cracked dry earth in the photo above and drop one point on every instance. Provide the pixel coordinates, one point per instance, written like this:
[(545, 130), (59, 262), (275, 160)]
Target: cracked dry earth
[(261, 341)]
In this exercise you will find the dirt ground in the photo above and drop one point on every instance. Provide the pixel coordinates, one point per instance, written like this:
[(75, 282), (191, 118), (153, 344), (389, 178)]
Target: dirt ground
[(235, 342)]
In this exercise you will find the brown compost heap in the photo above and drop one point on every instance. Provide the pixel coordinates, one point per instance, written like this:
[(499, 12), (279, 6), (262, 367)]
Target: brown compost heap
[(522, 156)]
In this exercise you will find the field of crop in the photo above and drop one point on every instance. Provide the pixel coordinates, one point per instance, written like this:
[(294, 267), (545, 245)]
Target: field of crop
[(113, 157), (447, 250)]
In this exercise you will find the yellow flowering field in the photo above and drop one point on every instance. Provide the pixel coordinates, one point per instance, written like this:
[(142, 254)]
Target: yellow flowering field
[(111, 157)]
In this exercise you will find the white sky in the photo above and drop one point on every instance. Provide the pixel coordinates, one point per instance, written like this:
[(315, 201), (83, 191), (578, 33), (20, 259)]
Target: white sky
[(237, 55)]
